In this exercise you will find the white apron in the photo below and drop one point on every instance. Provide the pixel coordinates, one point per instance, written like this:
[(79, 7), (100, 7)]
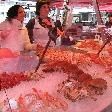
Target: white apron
[(40, 34)]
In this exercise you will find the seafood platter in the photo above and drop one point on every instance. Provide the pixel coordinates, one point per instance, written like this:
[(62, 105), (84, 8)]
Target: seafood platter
[(70, 79)]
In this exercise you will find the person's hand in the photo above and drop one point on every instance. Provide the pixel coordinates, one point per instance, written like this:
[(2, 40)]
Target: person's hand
[(60, 33), (4, 34), (47, 22)]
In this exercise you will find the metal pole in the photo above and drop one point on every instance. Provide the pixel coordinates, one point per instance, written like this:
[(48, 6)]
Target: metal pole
[(98, 15), (104, 35)]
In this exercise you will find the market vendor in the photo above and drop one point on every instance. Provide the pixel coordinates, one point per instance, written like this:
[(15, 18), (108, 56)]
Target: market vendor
[(40, 26), (109, 23), (12, 33)]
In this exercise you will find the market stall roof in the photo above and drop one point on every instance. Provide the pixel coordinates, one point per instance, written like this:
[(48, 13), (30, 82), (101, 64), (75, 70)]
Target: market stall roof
[(106, 8), (85, 1), (59, 3), (76, 1), (104, 5)]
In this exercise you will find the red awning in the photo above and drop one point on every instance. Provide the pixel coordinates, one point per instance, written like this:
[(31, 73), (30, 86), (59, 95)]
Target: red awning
[(105, 5), (85, 1), (107, 8), (88, 1), (57, 4)]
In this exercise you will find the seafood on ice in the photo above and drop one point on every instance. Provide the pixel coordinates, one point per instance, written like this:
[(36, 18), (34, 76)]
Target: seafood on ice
[(75, 90), (79, 85), (93, 44), (89, 43), (58, 54), (34, 75), (8, 80), (38, 101)]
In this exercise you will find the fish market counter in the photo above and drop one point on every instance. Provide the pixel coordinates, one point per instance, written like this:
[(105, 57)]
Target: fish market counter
[(74, 83), (42, 96)]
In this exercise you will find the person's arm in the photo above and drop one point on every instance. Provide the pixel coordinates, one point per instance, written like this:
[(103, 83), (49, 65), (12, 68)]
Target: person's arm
[(4, 32), (30, 27), (27, 43)]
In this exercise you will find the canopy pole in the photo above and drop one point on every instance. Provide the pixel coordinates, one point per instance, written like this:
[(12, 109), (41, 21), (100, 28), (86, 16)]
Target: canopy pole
[(106, 38), (98, 15)]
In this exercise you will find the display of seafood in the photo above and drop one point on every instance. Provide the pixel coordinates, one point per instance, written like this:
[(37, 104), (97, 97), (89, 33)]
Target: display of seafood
[(79, 85), (54, 54), (89, 44), (32, 75), (93, 47), (8, 80), (63, 66), (93, 44), (36, 101), (75, 90)]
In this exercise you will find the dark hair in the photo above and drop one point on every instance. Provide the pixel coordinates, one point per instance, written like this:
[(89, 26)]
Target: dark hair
[(13, 12), (39, 5)]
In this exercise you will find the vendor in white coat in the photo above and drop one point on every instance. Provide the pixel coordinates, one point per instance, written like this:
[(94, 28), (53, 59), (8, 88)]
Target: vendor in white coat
[(12, 33), (38, 27)]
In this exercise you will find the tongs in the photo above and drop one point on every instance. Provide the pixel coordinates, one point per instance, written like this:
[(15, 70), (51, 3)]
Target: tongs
[(52, 37), (43, 54), (107, 41)]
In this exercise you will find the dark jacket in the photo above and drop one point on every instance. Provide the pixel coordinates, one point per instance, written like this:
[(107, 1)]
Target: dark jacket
[(108, 24), (30, 27), (52, 32)]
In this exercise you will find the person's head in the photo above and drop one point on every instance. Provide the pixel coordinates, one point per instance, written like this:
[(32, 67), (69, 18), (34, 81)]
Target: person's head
[(110, 18), (42, 9), (16, 12)]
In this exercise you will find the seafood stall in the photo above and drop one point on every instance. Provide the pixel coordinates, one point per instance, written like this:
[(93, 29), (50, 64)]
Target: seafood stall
[(76, 78), (72, 79)]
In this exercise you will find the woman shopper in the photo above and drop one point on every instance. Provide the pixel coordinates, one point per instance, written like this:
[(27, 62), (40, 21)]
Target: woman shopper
[(12, 33)]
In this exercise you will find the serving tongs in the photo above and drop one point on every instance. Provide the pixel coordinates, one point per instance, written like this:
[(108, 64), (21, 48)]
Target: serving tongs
[(43, 54), (52, 37), (106, 42)]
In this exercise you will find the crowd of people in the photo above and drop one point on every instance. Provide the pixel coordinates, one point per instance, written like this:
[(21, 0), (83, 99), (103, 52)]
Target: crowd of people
[(19, 38)]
